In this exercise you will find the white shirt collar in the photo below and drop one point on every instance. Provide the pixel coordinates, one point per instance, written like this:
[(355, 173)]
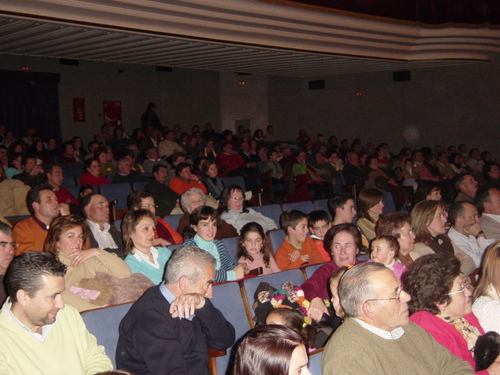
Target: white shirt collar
[(392, 335), (6, 309), (141, 257)]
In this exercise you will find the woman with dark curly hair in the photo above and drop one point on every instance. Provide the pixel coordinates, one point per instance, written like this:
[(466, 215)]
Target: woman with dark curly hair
[(441, 304)]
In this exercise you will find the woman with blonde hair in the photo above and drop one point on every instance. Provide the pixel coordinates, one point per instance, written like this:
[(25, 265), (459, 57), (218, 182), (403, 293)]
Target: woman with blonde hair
[(66, 237), (429, 221), (486, 296)]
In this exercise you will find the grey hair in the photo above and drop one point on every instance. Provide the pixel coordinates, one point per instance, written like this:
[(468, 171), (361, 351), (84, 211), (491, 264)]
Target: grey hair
[(189, 261), (5, 229), (185, 198), (356, 287)]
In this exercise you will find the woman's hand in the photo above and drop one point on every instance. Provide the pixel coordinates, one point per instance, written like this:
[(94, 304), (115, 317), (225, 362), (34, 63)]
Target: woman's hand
[(161, 242), (317, 309), (81, 256)]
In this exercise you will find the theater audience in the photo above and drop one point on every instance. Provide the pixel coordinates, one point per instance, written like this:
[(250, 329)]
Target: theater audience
[(91, 175), (370, 207)]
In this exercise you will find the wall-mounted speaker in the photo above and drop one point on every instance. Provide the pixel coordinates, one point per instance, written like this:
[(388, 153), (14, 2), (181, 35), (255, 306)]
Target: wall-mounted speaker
[(73, 62), (404, 75), (317, 85)]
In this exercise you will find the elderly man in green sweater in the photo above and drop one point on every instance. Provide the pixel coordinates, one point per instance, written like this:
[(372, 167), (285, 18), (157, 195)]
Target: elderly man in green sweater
[(38, 333), (377, 336)]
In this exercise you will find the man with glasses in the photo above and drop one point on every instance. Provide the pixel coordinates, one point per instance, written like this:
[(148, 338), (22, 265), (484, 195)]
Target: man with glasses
[(377, 336), (7, 248)]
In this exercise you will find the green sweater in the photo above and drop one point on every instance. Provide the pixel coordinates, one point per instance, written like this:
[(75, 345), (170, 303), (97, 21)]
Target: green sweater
[(68, 348), (355, 350)]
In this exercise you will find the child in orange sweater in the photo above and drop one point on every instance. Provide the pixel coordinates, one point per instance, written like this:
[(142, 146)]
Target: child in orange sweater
[(297, 249)]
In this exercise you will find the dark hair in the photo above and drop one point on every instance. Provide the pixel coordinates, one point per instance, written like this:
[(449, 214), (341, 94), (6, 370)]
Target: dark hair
[(206, 165), (88, 162), (198, 214), (456, 210), (424, 188), (156, 168), (204, 213), (26, 270), (85, 201), (487, 169), (482, 196), (129, 223), (458, 179), (338, 201), (180, 167), (390, 224), (134, 200), (391, 241), (266, 350), (257, 228), (367, 199), (225, 196), (291, 218), (294, 319), (429, 280), (34, 196), (336, 229), (83, 188), (315, 216), (60, 225)]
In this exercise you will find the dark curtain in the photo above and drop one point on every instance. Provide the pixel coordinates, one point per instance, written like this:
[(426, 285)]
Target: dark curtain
[(30, 100), (432, 12)]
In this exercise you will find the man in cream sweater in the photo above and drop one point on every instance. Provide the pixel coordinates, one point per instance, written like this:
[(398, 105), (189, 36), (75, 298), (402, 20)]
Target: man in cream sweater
[(38, 333)]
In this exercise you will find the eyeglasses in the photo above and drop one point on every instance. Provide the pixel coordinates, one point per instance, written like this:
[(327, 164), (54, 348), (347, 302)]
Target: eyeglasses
[(466, 284), (236, 198), (5, 244), (398, 298)]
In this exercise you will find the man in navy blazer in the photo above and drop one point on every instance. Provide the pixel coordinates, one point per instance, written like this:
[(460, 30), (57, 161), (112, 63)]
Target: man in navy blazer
[(170, 328)]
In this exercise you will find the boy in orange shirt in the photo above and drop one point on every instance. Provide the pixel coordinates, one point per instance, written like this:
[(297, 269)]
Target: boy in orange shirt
[(318, 226), (297, 249)]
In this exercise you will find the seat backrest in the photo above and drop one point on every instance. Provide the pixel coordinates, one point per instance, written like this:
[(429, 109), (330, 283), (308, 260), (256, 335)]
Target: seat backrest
[(231, 244), (119, 192), (237, 180), (227, 299), (139, 185), (306, 206), (273, 211), (104, 323), (275, 280), (315, 362), (173, 220), (73, 172), (275, 238), (388, 201), (309, 270), (68, 181), (322, 204)]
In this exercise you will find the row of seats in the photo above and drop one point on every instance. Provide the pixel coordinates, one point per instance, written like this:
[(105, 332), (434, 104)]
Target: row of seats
[(233, 299)]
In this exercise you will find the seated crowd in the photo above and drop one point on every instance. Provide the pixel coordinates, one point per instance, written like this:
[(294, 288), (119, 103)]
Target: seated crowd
[(407, 256)]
